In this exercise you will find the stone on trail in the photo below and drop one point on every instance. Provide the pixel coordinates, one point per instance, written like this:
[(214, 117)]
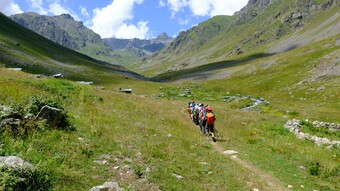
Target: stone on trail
[(179, 177), (230, 152)]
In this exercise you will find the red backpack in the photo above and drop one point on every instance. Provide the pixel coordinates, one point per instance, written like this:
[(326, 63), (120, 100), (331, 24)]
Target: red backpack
[(210, 118)]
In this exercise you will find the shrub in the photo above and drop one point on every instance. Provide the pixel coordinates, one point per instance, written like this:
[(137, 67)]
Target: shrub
[(19, 179), (315, 168), (35, 105), (16, 111)]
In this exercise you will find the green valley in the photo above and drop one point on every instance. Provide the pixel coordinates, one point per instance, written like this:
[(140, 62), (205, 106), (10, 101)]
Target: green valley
[(145, 140)]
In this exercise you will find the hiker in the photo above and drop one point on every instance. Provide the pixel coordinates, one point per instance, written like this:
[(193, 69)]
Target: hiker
[(189, 109), (202, 121), (196, 113), (210, 120), (192, 105)]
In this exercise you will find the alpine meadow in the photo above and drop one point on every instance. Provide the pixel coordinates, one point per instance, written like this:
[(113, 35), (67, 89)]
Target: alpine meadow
[(78, 112)]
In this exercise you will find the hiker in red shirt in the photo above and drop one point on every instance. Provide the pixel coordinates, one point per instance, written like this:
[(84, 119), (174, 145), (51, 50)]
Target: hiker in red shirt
[(210, 118)]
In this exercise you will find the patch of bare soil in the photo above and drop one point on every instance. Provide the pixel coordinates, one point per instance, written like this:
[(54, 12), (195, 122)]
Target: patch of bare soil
[(271, 182), (329, 66)]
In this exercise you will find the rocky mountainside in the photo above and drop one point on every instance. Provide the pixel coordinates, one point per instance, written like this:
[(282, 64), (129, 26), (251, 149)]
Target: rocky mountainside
[(138, 46), (262, 26), (64, 30)]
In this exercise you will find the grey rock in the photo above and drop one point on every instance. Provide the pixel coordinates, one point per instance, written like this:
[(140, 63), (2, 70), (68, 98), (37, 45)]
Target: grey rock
[(14, 162), (51, 115), (294, 127), (11, 123), (107, 186), (179, 177)]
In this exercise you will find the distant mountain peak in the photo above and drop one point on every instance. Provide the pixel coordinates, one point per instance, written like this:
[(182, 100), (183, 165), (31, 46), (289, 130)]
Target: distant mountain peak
[(66, 16), (163, 37)]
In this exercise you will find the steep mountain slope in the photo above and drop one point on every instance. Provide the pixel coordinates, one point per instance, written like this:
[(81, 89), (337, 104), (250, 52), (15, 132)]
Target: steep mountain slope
[(64, 30), (20, 47), (263, 26)]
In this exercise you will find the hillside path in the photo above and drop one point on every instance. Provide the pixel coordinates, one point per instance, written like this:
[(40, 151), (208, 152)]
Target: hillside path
[(272, 182)]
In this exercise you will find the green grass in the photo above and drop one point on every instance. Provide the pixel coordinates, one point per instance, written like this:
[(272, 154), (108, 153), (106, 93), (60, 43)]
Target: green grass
[(150, 128), (141, 132), (113, 125)]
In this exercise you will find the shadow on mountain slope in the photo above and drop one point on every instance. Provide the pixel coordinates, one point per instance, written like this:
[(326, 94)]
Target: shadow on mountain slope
[(202, 72)]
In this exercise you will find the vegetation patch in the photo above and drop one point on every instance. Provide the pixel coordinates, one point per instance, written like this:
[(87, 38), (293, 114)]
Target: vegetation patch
[(25, 179), (19, 120)]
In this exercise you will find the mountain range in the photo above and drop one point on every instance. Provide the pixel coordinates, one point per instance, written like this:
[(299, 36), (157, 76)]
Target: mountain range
[(64, 30), (262, 26)]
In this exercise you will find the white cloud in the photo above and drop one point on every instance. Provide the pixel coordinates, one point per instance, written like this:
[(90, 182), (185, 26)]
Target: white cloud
[(200, 8), (8, 7), (176, 6), (112, 20), (206, 7), (183, 21), (84, 11), (162, 3), (126, 31), (37, 6), (57, 9)]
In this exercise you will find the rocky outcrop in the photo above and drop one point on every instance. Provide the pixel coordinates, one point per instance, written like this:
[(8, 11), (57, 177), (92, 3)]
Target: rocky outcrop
[(14, 120), (10, 124), (294, 126), (51, 115), (62, 29), (46, 27)]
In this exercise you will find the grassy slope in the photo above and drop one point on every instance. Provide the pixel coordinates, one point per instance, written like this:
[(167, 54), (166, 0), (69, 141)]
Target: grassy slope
[(195, 44), (145, 132), (130, 130), (23, 48)]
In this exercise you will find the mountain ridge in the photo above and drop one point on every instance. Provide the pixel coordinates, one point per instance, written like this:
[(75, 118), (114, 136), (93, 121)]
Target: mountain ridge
[(257, 27), (39, 55), (64, 30)]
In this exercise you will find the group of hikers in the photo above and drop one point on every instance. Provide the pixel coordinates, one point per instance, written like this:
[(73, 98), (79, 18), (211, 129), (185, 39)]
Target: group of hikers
[(203, 116)]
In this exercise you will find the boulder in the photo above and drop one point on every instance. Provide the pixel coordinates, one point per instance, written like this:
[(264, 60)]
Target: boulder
[(11, 123), (14, 162), (51, 115)]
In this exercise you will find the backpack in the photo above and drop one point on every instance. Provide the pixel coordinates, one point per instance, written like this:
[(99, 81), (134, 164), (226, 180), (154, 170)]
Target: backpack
[(210, 118), (197, 111)]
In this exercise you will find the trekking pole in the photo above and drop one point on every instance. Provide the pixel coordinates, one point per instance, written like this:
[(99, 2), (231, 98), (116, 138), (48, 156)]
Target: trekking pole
[(218, 134)]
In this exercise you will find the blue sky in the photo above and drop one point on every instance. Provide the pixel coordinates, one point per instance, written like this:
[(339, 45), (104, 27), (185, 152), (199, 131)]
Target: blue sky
[(143, 19)]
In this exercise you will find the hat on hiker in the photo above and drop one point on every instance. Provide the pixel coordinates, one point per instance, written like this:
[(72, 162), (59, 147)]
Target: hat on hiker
[(209, 108)]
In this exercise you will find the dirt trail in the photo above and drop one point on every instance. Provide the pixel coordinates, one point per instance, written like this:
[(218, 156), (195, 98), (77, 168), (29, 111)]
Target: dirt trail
[(272, 182)]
